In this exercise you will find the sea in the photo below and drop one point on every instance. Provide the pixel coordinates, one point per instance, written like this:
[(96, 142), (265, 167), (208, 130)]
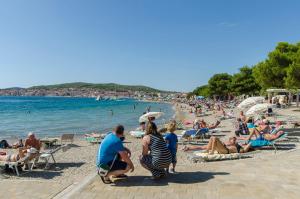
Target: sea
[(53, 116)]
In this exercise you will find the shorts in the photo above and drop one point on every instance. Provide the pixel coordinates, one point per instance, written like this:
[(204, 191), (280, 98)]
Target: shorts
[(118, 165), (174, 158)]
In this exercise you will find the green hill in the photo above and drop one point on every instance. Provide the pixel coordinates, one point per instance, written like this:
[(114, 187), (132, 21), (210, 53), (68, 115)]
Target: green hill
[(106, 87)]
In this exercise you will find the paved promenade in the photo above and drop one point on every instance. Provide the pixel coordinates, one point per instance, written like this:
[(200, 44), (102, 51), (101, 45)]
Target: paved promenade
[(274, 176)]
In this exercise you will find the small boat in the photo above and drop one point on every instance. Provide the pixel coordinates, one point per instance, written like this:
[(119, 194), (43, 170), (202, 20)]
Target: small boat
[(98, 98)]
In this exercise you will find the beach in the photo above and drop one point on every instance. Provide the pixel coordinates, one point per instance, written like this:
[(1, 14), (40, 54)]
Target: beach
[(74, 175)]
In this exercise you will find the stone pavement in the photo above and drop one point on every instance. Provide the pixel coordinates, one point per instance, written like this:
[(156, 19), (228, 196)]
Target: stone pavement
[(31, 189), (274, 176)]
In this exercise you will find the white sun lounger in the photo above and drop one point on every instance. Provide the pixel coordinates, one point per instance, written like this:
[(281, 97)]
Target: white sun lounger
[(47, 155), (14, 165)]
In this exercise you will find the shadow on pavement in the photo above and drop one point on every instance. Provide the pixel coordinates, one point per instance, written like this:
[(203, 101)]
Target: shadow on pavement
[(180, 178)]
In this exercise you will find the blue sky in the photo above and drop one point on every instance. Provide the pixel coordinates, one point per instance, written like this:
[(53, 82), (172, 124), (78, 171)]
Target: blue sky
[(171, 45)]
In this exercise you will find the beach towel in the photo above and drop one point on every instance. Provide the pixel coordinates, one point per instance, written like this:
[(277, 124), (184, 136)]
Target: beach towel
[(205, 157), (137, 134), (259, 143)]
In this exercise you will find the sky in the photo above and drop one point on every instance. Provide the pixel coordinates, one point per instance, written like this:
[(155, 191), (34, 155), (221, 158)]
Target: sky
[(166, 44)]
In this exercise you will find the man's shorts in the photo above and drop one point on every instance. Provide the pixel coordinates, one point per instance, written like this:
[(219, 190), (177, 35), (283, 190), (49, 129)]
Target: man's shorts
[(118, 165)]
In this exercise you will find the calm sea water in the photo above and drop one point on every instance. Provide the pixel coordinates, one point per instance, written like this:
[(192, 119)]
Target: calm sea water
[(50, 116)]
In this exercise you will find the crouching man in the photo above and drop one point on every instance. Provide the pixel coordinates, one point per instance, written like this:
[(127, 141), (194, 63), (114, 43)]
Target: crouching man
[(113, 158)]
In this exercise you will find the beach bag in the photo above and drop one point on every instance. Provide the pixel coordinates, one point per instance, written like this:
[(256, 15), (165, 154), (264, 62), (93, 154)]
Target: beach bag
[(4, 144), (103, 169)]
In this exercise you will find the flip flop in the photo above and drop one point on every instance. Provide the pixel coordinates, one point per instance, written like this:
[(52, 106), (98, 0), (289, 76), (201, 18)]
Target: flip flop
[(105, 181), (121, 176)]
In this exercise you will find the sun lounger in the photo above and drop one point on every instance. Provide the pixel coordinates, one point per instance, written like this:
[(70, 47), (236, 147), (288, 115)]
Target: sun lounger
[(66, 138), (47, 155), (93, 140), (205, 157), (196, 135), (27, 160), (48, 142), (137, 134), (257, 144)]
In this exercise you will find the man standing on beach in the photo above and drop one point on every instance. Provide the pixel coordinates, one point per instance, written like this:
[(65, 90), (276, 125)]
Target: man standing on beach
[(113, 154)]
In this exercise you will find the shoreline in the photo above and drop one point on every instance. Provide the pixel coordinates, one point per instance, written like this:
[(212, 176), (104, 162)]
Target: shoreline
[(80, 134), (75, 170)]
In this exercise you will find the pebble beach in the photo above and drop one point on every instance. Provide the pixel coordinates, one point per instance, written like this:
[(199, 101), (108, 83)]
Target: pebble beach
[(74, 175)]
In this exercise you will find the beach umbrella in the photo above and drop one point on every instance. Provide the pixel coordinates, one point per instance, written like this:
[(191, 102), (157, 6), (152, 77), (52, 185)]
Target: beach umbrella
[(257, 109), (250, 102), (144, 118)]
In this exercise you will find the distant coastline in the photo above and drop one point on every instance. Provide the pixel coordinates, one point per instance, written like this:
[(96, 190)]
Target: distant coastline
[(91, 91)]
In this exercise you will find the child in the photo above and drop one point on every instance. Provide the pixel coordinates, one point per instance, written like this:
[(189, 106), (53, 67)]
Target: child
[(172, 143)]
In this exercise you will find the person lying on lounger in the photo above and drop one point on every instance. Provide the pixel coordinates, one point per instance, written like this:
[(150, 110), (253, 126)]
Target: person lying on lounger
[(21, 154), (264, 132), (201, 124), (215, 144)]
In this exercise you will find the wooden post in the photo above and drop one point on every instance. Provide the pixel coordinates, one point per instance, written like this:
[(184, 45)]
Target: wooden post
[(298, 99), (290, 98)]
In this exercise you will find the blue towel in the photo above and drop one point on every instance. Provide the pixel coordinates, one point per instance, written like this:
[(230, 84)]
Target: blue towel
[(259, 143)]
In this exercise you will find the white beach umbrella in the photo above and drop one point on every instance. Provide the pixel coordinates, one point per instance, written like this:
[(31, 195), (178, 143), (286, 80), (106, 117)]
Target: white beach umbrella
[(257, 109), (250, 102), (144, 118)]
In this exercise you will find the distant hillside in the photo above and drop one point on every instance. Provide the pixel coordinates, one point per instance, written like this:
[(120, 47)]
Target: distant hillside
[(106, 87)]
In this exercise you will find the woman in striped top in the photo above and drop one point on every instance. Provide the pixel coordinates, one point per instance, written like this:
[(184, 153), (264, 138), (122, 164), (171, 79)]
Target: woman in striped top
[(155, 157)]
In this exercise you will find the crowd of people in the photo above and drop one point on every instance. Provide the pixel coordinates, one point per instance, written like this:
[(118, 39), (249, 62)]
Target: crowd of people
[(159, 151)]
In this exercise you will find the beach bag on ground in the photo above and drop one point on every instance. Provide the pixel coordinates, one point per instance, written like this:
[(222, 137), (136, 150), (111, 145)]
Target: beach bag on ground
[(4, 144)]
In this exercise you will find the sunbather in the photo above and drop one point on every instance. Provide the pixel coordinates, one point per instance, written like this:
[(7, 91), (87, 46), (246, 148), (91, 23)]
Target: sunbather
[(32, 142), (265, 132), (15, 157), (93, 135), (215, 144), (201, 124)]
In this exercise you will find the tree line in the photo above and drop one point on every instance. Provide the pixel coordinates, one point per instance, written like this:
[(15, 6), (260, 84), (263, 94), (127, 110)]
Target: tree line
[(281, 69)]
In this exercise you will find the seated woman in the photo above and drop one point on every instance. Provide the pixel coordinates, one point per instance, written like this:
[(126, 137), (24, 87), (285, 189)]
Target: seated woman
[(215, 144), (155, 157), (250, 123)]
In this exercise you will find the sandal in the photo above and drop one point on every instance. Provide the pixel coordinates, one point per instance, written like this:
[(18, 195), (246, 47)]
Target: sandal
[(121, 176), (105, 181)]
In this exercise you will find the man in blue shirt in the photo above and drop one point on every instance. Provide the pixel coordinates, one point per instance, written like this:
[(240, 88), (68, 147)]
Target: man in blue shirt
[(113, 154)]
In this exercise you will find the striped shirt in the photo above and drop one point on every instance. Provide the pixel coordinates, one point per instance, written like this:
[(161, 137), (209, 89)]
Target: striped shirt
[(161, 156)]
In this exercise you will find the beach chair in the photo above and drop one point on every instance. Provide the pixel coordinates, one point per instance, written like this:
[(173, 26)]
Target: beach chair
[(200, 134), (137, 134), (93, 140), (47, 155), (261, 144), (66, 138)]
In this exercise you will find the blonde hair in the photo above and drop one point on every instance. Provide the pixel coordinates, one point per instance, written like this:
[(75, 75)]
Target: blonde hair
[(171, 127)]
